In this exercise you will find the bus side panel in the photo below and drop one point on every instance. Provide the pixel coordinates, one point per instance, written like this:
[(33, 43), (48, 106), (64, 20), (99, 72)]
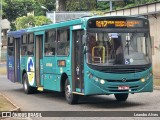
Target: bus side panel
[(49, 73), (10, 64), (62, 69), (23, 66)]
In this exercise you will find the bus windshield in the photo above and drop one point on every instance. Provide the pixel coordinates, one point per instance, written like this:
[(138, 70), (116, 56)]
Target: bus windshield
[(107, 49)]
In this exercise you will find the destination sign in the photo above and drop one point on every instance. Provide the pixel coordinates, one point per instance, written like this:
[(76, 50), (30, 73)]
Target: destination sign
[(116, 23)]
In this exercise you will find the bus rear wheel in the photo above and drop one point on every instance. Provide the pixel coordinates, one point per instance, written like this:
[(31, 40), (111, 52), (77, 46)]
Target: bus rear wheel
[(121, 97), (69, 96), (27, 89)]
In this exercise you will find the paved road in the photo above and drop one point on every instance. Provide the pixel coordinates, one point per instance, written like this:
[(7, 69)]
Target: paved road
[(53, 101)]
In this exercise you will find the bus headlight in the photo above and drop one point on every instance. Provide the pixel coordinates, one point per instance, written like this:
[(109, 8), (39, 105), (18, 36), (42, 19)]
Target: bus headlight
[(102, 81), (143, 80), (146, 78), (96, 79)]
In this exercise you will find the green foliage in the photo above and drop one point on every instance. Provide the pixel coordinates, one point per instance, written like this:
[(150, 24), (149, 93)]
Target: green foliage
[(31, 21), (15, 8), (102, 6), (41, 20), (49, 4), (123, 4), (81, 5)]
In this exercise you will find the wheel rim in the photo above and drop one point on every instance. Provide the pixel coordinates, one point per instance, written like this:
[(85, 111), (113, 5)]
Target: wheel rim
[(68, 91)]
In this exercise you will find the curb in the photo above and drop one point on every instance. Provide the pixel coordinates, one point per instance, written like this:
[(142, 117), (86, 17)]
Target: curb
[(156, 87), (16, 107)]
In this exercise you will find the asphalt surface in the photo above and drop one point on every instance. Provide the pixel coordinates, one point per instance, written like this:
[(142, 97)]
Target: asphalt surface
[(54, 101)]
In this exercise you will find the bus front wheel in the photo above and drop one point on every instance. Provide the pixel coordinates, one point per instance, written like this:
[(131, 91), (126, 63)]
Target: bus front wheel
[(27, 89), (121, 97), (70, 97)]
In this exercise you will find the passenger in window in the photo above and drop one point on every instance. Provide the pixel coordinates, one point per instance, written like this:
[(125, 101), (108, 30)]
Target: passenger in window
[(49, 51), (53, 51), (119, 51), (24, 51)]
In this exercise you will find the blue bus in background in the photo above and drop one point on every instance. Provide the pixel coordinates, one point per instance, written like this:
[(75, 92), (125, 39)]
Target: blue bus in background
[(13, 55), (85, 56)]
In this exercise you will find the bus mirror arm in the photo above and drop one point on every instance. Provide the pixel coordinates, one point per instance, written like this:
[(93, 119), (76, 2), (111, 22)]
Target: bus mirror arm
[(84, 38), (84, 50)]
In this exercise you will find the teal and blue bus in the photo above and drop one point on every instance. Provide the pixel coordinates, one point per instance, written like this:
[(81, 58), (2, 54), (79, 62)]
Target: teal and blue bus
[(85, 56)]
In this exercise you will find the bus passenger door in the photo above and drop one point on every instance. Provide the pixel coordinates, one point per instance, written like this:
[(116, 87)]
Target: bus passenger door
[(39, 37), (16, 59), (77, 62)]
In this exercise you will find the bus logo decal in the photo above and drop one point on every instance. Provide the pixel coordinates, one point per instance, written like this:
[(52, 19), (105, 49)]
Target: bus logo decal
[(30, 70), (123, 79)]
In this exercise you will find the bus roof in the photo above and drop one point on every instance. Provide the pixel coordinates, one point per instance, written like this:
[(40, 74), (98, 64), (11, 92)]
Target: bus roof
[(17, 33), (56, 25), (82, 20)]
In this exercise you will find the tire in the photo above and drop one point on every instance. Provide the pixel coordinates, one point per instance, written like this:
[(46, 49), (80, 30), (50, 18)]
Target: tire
[(121, 97), (69, 96), (27, 89)]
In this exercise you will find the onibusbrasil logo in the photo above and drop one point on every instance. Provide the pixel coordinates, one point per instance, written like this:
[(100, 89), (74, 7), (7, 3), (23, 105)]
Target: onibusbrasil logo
[(30, 70)]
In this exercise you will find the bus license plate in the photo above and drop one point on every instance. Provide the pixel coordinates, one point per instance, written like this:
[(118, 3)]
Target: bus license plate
[(123, 87)]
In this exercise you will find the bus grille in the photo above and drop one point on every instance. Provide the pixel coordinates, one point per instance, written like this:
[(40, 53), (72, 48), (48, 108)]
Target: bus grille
[(124, 70), (121, 69), (131, 80)]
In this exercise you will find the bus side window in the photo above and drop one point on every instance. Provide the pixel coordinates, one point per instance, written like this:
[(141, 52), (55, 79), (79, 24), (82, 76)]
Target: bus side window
[(10, 46), (24, 45), (63, 42), (50, 43), (30, 51)]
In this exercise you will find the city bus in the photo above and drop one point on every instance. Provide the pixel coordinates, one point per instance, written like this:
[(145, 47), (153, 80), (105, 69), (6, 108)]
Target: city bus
[(86, 56)]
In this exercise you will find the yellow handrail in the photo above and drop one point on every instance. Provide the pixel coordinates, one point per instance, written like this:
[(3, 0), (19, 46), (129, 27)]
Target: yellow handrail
[(103, 53)]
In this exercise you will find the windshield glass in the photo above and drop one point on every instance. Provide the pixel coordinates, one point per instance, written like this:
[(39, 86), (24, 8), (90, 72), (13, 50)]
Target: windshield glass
[(118, 48)]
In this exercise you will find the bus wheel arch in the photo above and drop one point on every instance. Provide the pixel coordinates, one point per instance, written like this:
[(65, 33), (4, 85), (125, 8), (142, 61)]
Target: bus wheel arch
[(64, 77), (23, 72), (69, 96), (26, 87)]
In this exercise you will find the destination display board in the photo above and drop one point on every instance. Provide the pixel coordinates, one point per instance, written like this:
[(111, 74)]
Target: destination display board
[(117, 23)]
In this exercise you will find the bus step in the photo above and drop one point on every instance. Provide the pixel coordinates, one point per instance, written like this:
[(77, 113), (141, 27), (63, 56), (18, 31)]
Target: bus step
[(40, 88), (78, 93)]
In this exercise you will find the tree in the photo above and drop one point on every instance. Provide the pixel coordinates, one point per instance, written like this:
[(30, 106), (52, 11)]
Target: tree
[(31, 21), (61, 5), (13, 9), (49, 4), (16, 8), (81, 5)]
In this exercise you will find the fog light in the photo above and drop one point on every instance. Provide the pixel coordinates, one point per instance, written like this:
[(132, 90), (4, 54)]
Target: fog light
[(151, 74), (142, 80), (90, 76), (96, 79), (102, 81)]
